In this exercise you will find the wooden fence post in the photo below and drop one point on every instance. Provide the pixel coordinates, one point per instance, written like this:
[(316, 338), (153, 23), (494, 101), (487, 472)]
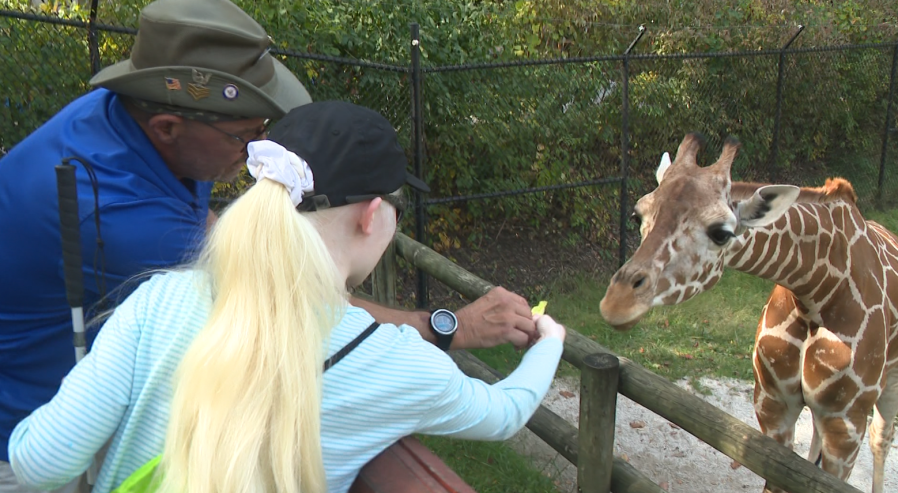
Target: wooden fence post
[(383, 278), (558, 433), (598, 406)]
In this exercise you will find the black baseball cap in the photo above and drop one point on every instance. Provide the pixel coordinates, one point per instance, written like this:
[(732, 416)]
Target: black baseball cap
[(353, 152)]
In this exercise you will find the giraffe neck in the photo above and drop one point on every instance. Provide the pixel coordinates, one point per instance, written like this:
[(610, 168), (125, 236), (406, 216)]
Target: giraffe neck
[(805, 251)]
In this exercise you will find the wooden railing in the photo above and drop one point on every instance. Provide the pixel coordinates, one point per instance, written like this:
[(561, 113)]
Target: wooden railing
[(590, 447)]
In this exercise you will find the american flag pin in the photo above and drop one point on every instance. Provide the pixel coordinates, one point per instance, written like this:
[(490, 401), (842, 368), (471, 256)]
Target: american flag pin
[(172, 84)]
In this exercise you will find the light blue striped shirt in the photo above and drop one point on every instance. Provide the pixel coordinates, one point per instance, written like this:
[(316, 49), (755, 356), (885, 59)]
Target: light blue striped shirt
[(392, 385)]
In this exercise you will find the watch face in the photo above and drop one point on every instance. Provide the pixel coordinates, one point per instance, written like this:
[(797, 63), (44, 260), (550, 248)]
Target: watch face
[(444, 321)]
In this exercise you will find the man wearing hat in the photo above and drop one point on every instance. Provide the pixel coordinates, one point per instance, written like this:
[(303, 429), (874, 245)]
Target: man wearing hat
[(147, 145), (149, 141)]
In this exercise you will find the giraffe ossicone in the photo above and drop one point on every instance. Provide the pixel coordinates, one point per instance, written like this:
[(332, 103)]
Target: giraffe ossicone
[(827, 335)]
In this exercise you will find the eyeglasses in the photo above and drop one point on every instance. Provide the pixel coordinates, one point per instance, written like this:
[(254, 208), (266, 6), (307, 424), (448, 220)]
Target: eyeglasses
[(245, 142), (399, 201)]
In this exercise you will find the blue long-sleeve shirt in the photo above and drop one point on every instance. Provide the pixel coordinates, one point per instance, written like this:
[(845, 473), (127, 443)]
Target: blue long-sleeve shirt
[(392, 385), (148, 219)]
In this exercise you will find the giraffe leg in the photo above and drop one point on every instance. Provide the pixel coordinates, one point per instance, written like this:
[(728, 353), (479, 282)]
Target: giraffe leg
[(778, 398), (777, 420), (814, 451), (841, 442), (839, 406), (882, 429), (778, 405)]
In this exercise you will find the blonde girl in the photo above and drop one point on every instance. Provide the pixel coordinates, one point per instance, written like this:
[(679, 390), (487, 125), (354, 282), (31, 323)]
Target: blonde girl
[(216, 372)]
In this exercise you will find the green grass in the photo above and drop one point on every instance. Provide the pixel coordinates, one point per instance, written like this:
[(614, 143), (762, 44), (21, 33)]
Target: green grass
[(711, 335), (489, 467)]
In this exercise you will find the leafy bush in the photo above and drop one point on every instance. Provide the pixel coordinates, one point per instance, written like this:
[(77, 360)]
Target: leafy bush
[(489, 129), (42, 66)]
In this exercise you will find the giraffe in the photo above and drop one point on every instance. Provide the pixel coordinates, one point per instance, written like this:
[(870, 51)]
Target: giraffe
[(827, 335)]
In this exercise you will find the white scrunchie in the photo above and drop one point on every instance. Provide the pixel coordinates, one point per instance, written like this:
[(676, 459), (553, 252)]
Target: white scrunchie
[(268, 159)]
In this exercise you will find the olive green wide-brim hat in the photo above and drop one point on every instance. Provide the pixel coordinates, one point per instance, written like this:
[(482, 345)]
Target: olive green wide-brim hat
[(206, 56)]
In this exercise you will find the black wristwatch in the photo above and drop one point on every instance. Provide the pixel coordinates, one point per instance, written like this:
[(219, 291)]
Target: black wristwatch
[(443, 324)]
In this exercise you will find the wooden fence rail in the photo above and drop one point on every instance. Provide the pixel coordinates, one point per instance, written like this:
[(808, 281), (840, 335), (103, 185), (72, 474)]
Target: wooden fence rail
[(561, 435), (761, 454)]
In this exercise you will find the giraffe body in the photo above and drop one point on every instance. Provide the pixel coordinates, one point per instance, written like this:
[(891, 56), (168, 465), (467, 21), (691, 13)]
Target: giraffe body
[(827, 334)]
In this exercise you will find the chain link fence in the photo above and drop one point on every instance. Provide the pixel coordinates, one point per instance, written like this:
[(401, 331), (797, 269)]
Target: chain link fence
[(582, 138), (565, 144)]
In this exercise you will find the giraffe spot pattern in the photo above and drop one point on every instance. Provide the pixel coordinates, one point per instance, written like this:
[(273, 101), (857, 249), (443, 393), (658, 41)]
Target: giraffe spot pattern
[(779, 356), (835, 392)]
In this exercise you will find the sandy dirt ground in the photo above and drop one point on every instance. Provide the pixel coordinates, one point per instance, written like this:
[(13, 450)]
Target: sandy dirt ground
[(673, 458)]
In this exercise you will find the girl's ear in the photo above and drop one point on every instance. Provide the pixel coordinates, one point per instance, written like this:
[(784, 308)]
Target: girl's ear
[(366, 222)]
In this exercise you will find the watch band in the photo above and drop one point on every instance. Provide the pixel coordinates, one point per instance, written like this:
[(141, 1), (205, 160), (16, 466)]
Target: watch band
[(444, 340)]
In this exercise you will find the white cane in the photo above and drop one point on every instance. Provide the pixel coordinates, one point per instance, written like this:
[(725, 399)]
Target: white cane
[(70, 230)]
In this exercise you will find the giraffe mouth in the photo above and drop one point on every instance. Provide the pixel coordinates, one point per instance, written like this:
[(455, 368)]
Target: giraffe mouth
[(622, 310), (625, 326)]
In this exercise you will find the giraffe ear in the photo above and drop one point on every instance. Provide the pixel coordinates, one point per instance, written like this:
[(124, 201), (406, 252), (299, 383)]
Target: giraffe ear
[(665, 163), (766, 205)]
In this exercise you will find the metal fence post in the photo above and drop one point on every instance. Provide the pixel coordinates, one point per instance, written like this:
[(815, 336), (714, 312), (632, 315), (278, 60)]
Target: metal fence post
[(418, 150), (888, 127), (625, 147), (598, 408), (93, 43), (780, 80)]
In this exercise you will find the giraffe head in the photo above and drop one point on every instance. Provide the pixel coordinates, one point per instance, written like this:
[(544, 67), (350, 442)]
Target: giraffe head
[(687, 224)]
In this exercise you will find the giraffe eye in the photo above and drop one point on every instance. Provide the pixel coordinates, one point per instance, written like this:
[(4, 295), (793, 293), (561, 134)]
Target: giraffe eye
[(719, 235)]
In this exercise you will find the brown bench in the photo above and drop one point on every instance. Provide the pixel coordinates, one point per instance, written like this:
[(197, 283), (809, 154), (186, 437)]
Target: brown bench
[(408, 467)]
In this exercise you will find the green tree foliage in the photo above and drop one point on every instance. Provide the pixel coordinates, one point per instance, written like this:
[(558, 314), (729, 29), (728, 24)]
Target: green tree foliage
[(505, 127), (42, 66)]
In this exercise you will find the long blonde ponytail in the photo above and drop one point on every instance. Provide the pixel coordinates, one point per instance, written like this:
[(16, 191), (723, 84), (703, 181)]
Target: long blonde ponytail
[(246, 404)]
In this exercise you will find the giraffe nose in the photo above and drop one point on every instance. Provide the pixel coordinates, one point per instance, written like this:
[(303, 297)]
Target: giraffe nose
[(636, 278)]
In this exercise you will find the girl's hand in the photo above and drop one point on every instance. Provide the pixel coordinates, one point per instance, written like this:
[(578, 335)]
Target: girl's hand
[(547, 327)]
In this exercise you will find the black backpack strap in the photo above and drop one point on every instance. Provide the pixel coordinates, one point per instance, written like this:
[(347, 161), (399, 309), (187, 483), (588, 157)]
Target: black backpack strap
[(333, 360)]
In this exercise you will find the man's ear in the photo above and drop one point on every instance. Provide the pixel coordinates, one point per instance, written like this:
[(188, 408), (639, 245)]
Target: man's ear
[(165, 128), (366, 222)]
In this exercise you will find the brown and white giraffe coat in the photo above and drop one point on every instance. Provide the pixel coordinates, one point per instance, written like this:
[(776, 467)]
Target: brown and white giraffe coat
[(827, 335)]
